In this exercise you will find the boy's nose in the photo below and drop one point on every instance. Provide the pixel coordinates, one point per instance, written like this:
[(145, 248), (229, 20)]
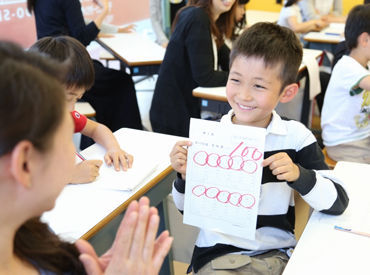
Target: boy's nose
[(245, 95)]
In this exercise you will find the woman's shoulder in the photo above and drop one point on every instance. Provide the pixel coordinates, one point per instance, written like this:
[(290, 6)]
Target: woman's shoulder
[(192, 13)]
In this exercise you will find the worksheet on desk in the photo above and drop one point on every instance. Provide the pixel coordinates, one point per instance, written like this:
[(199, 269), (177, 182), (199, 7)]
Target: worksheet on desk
[(223, 177), (143, 168)]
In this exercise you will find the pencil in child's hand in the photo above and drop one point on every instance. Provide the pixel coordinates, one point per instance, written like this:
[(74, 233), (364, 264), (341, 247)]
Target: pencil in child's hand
[(80, 156), (352, 231)]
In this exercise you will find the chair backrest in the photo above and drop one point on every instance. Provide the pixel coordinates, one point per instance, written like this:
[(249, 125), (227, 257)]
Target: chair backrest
[(330, 162)]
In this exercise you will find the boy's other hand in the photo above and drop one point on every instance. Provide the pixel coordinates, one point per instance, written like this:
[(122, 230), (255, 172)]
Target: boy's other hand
[(179, 155), (118, 158), (282, 167), (86, 171)]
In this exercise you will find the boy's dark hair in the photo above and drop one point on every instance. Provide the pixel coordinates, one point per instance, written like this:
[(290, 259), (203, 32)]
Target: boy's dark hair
[(358, 22), (68, 50), (276, 45)]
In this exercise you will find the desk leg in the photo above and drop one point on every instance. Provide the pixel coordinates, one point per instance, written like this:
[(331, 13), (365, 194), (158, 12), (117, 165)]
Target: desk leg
[(167, 267)]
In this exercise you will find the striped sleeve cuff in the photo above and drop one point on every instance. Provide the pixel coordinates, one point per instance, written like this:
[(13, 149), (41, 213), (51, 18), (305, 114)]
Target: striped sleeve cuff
[(179, 184), (305, 182)]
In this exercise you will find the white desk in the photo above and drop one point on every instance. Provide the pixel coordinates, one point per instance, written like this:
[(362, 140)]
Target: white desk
[(256, 16), (81, 210), (330, 35), (219, 93), (88, 212), (140, 54), (323, 250), (85, 108)]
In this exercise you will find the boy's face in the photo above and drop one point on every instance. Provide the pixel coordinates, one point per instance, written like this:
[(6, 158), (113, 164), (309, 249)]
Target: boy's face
[(73, 94), (253, 91)]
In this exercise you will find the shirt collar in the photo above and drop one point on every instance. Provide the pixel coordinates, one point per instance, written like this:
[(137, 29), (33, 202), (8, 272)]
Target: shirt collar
[(276, 126)]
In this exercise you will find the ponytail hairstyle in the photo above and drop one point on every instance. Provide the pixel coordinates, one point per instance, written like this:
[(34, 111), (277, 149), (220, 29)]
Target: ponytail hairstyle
[(32, 107), (31, 5), (224, 25)]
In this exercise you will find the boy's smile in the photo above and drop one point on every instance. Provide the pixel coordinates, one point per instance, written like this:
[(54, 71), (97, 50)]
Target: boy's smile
[(253, 91)]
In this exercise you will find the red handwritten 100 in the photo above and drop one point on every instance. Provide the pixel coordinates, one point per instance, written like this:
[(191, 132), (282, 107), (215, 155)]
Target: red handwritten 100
[(246, 161)]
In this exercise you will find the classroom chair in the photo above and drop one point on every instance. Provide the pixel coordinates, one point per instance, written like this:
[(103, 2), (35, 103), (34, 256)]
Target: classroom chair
[(330, 162), (302, 214), (106, 56)]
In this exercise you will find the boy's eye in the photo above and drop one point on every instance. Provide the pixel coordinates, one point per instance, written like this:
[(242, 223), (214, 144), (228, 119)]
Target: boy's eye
[(259, 86), (235, 80)]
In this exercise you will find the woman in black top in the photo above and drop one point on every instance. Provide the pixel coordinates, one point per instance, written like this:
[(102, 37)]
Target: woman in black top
[(113, 94), (191, 60)]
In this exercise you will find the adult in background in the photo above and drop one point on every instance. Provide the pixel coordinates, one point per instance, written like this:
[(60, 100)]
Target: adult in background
[(162, 14), (329, 10), (113, 94), (191, 60)]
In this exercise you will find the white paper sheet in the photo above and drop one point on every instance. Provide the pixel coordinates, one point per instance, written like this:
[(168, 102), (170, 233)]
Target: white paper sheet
[(223, 177), (109, 178)]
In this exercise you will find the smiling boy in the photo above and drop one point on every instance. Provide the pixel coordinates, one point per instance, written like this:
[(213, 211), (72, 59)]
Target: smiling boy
[(264, 64)]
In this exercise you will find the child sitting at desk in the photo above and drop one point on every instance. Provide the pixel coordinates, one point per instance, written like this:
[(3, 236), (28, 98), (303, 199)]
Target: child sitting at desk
[(36, 160), (345, 118), (290, 17), (264, 64), (79, 78)]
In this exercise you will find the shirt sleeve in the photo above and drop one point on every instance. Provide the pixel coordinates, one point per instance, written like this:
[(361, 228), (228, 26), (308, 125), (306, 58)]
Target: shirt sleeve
[(79, 121), (338, 7), (317, 185), (307, 8), (178, 193), (76, 24), (156, 20)]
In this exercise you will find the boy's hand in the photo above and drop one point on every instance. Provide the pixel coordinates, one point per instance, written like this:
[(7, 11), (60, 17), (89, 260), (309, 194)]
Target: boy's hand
[(179, 156), (86, 171), (282, 167), (118, 158)]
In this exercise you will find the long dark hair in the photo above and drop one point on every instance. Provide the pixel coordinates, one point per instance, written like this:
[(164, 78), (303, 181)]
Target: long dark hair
[(224, 25), (31, 5), (32, 107), (241, 24)]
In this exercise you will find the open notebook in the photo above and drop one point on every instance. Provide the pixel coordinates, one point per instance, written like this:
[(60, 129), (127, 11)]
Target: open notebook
[(142, 169)]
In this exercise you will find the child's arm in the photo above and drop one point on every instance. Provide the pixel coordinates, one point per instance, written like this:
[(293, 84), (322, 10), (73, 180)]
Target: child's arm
[(312, 25), (178, 158), (320, 189), (102, 135), (365, 83)]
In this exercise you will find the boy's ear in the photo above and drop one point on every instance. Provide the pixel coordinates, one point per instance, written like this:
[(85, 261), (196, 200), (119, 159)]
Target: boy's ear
[(20, 163), (363, 39), (289, 92)]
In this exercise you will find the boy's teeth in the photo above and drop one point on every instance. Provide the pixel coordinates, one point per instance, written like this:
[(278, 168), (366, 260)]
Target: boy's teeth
[(245, 107)]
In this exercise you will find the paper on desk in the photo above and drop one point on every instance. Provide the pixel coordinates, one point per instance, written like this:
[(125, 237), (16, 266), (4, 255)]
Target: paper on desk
[(223, 177), (141, 170)]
